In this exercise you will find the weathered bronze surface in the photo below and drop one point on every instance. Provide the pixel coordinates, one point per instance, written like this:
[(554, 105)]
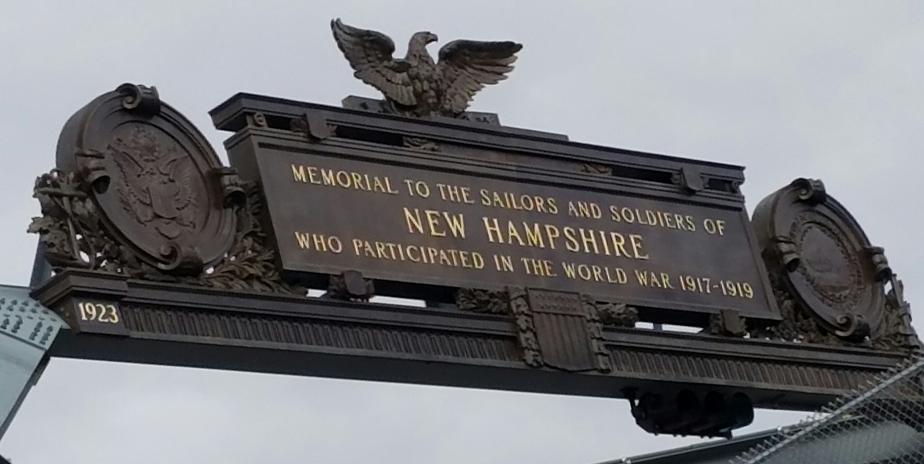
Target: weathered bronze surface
[(138, 191), (416, 85), (829, 280), (154, 179), (537, 256), (478, 214)]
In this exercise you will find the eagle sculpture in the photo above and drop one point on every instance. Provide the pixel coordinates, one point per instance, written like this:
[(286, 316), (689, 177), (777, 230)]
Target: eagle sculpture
[(416, 85)]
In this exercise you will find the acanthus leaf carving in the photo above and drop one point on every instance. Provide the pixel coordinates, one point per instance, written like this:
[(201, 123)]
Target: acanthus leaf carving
[(72, 232), (516, 303), (483, 301), (896, 331), (70, 227), (526, 328), (250, 264), (599, 314), (512, 301), (615, 314), (797, 324)]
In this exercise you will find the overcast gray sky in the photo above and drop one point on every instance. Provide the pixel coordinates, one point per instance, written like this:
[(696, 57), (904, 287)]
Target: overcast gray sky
[(825, 89)]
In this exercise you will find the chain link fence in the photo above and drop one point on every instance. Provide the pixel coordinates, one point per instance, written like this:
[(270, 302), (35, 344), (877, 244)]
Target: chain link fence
[(881, 424)]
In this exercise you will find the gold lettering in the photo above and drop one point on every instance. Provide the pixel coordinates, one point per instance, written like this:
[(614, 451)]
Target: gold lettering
[(666, 280), (456, 224), (533, 235), (99, 312), (343, 179), (553, 233), (318, 242), (553, 207), (328, 177), (492, 228), (433, 220), (304, 242), (377, 185), (572, 243), (414, 223), (636, 241), (380, 251), (588, 238), (477, 260), (669, 221), (313, 175), (538, 267), (513, 234), (357, 179), (298, 172)]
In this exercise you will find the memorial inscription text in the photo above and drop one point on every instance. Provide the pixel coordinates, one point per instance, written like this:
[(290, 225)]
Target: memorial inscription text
[(419, 225)]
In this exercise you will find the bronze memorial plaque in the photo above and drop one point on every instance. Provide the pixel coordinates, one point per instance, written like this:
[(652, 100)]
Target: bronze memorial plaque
[(416, 223), (536, 255)]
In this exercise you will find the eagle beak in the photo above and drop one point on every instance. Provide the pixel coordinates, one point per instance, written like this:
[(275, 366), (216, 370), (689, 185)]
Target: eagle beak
[(431, 37)]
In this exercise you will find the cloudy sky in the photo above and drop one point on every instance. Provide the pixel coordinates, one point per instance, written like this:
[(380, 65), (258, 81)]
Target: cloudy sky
[(826, 89)]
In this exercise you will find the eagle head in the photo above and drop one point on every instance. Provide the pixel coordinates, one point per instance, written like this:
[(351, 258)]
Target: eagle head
[(424, 37)]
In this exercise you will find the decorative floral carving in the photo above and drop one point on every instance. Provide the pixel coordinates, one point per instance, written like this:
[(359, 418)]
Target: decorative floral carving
[(515, 302), (70, 227), (896, 332), (249, 264), (598, 314), (483, 301), (615, 314), (512, 301), (797, 324), (73, 236), (526, 330)]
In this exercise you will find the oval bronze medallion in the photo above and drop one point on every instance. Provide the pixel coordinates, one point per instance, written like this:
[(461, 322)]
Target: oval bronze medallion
[(816, 251), (154, 177)]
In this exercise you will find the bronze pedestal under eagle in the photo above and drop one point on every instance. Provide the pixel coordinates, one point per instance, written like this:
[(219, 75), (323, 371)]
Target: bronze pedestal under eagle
[(416, 85)]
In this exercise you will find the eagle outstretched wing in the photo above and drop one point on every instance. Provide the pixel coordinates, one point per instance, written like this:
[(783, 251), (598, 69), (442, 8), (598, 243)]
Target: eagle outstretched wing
[(133, 198), (468, 65), (369, 53), (182, 171)]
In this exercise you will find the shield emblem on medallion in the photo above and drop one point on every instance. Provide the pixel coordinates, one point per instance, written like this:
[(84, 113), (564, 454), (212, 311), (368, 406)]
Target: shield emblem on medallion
[(153, 176)]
